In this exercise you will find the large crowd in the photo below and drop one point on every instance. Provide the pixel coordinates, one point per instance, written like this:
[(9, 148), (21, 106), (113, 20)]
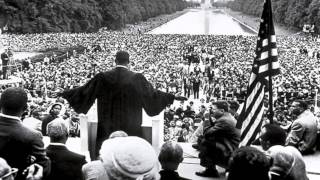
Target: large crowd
[(205, 69), (214, 67)]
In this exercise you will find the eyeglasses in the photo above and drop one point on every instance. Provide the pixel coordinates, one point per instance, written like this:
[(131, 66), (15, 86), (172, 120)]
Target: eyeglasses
[(13, 173)]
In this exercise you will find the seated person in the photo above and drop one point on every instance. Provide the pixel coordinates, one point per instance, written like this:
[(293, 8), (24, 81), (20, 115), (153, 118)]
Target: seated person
[(303, 131), (219, 140), (65, 164), (170, 156), (288, 163), (125, 158)]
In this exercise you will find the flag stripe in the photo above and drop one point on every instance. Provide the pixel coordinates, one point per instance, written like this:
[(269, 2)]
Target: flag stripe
[(252, 94), (254, 134), (265, 67), (249, 120)]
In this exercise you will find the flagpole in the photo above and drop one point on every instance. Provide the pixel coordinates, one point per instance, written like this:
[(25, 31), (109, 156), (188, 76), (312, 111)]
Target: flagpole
[(270, 67), (270, 96)]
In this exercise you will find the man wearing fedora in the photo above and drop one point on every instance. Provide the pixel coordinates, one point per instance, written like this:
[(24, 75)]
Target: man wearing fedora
[(121, 94)]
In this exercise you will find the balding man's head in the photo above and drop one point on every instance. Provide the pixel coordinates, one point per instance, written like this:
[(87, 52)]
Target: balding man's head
[(58, 130)]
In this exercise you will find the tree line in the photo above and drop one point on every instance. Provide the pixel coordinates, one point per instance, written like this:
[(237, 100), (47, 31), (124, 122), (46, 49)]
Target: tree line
[(292, 13), (39, 16)]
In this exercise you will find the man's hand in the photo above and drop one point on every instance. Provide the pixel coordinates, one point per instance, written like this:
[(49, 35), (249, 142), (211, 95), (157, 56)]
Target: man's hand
[(180, 98), (34, 172)]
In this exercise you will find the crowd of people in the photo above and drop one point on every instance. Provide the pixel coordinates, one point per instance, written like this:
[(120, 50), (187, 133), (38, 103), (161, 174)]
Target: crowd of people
[(192, 65), (129, 157), (205, 69)]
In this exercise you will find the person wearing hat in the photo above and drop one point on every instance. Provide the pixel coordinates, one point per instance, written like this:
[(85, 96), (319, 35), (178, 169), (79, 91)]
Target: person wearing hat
[(126, 158), (121, 94), (220, 139)]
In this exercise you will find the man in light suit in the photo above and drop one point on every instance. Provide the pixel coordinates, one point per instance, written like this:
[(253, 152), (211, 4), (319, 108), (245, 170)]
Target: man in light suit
[(121, 95), (19, 145), (66, 165), (303, 133)]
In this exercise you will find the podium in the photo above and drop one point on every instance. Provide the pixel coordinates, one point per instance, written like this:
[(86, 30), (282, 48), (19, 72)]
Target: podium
[(152, 129)]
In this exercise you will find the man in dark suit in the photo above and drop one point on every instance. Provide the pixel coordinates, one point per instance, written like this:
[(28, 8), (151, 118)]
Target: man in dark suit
[(19, 145), (121, 96), (65, 164), (5, 61), (220, 139)]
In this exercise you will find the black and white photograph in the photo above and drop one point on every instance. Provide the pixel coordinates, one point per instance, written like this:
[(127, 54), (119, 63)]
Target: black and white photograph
[(160, 90)]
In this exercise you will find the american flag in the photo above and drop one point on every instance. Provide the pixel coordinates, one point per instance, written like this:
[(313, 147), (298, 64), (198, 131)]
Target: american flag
[(265, 64)]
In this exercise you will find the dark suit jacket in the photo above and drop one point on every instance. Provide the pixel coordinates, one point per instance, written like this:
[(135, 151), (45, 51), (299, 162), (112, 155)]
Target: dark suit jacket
[(220, 140), (121, 96), (18, 143), (170, 175), (64, 163)]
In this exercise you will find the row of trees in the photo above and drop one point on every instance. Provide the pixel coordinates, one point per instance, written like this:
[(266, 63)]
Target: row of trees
[(293, 13), (36, 16)]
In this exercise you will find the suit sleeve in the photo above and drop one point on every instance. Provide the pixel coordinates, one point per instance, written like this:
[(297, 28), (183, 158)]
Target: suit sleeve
[(295, 134), (39, 153), (82, 98), (153, 101)]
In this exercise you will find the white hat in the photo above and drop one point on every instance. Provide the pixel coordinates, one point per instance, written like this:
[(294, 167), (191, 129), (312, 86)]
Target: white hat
[(128, 158)]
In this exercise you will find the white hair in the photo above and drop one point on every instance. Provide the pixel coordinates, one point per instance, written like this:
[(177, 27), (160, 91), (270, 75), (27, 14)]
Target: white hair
[(57, 128)]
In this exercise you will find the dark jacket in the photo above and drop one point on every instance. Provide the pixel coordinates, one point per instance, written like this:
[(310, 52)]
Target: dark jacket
[(19, 144), (121, 94), (46, 120), (65, 165), (170, 175), (221, 138)]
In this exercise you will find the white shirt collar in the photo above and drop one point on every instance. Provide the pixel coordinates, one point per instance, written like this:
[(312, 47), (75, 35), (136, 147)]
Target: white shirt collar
[(57, 144), (10, 117), (122, 66)]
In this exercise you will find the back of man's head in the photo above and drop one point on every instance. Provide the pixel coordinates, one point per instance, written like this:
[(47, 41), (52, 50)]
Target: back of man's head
[(58, 131), (122, 58), (274, 134), (249, 163), (303, 104), (13, 101), (170, 156)]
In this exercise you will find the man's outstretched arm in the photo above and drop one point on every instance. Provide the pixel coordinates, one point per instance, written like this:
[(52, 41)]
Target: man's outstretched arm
[(82, 98), (153, 100)]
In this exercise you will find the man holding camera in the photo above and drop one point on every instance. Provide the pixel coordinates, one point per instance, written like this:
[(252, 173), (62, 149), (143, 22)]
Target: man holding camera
[(220, 139)]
